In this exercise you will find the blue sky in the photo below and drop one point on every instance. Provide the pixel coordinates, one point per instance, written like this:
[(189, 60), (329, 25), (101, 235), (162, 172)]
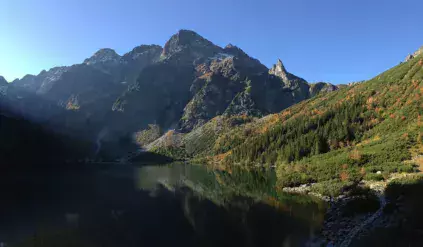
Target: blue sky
[(320, 40)]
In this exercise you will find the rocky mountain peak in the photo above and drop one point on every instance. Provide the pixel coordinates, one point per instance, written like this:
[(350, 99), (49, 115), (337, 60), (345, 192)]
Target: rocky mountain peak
[(242, 59), (102, 56), (279, 70), (234, 50), (229, 46), (3, 81), (142, 50), (184, 39), (3, 86)]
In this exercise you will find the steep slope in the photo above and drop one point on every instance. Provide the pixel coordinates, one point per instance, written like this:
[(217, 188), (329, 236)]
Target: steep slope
[(342, 136), (237, 85)]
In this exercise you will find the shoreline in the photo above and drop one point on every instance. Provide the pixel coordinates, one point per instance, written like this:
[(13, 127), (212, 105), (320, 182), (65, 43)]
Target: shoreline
[(340, 229)]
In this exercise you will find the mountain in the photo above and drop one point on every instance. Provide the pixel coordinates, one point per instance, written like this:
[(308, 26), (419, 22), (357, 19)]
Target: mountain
[(3, 86), (364, 131), (3, 81), (109, 97), (202, 81)]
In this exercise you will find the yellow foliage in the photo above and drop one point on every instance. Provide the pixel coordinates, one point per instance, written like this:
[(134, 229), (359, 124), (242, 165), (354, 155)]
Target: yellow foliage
[(355, 155)]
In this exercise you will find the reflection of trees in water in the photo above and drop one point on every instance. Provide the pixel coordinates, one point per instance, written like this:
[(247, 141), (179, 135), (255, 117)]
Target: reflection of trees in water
[(243, 222), (261, 185)]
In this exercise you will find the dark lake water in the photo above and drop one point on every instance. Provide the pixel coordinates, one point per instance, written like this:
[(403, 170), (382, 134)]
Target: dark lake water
[(172, 205)]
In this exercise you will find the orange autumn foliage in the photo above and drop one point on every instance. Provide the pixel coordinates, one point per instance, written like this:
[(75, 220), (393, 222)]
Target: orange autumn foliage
[(344, 176)]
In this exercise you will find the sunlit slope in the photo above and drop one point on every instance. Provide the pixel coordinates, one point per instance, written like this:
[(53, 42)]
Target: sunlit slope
[(347, 134)]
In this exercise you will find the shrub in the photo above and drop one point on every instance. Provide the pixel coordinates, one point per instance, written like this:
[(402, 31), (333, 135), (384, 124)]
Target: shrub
[(374, 177), (332, 188), (294, 179)]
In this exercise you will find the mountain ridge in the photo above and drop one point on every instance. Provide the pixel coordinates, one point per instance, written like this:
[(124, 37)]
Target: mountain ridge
[(181, 85)]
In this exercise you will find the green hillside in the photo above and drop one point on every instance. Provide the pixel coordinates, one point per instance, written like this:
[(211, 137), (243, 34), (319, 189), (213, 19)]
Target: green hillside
[(367, 130)]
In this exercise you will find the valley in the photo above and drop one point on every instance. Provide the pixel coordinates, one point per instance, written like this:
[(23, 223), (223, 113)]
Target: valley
[(249, 142)]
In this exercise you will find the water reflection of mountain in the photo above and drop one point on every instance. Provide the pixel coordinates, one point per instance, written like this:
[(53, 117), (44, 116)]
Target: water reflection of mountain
[(191, 206), (238, 189)]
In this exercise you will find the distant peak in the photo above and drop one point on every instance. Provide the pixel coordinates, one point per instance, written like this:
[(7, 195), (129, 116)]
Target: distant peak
[(103, 55), (229, 46), (143, 48), (183, 39), (234, 50), (185, 35), (2, 81), (187, 32), (105, 51)]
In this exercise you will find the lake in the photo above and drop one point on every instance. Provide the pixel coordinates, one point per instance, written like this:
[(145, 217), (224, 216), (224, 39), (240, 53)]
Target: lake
[(172, 205)]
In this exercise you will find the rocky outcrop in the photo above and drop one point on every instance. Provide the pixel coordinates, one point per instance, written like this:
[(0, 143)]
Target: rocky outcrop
[(408, 57), (243, 104), (321, 87), (288, 79), (415, 54)]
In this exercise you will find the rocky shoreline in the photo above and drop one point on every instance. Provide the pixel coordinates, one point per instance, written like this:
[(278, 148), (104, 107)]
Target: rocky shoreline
[(342, 225)]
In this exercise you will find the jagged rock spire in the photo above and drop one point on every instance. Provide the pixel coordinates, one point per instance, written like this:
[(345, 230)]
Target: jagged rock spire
[(279, 70)]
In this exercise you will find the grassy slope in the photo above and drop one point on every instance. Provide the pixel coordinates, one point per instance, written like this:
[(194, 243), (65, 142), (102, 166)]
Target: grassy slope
[(344, 135)]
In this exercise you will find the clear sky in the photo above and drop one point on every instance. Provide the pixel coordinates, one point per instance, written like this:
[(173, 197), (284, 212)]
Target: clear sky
[(338, 41)]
